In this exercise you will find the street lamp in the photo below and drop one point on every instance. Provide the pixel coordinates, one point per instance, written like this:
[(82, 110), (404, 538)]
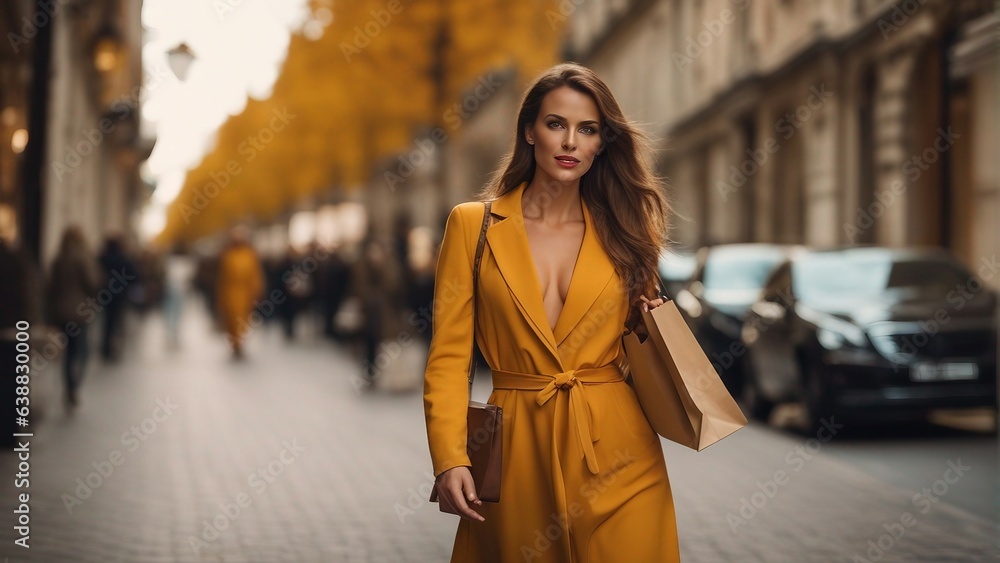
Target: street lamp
[(180, 58)]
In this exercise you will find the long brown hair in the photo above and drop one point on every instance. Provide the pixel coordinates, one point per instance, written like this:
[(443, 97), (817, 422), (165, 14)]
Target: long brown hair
[(627, 199)]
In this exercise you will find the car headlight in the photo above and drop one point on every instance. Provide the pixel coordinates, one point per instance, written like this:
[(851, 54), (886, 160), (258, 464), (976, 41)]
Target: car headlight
[(833, 333), (689, 303), (840, 335)]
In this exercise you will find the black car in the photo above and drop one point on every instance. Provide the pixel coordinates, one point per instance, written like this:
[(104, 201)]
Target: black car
[(727, 279), (871, 331)]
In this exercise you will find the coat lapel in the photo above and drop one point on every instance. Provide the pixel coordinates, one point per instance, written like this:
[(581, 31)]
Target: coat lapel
[(592, 274), (508, 242)]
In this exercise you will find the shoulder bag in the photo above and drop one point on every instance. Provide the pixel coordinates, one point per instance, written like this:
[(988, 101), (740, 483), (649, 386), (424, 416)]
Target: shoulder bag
[(485, 421)]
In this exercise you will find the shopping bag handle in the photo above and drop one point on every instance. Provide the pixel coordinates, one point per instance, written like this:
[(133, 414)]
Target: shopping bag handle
[(639, 328)]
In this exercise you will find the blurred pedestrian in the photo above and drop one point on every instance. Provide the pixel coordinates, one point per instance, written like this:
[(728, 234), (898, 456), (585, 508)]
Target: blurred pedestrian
[(296, 285), (332, 286), (19, 286), (148, 291), (73, 283), (420, 274), (372, 287), (119, 270), (241, 282), (312, 266), (21, 303), (206, 281), (178, 275)]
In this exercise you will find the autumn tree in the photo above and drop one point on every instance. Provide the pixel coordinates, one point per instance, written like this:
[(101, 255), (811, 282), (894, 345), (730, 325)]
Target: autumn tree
[(354, 94)]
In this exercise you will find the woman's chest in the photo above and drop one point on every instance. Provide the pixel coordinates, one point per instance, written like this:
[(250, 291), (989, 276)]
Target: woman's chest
[(554, 255)]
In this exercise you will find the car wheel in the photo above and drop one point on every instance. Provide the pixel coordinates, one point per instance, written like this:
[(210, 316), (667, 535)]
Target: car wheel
[(755, 404), (815, 400)]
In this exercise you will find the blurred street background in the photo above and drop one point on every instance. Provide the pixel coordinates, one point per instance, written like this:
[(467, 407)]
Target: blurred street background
[(219, 224)]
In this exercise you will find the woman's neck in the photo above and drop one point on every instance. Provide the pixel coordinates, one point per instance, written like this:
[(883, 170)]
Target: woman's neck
[(550, 201)]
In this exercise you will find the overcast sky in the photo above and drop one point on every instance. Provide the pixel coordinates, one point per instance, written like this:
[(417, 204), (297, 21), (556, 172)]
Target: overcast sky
[(239, 47)]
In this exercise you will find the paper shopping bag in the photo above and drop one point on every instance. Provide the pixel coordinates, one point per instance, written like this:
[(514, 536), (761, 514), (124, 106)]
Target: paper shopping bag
[(679, 390)]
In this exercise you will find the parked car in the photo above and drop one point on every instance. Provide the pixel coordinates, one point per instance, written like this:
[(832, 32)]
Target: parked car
[(676, 267), (727, 279), (871, 332)]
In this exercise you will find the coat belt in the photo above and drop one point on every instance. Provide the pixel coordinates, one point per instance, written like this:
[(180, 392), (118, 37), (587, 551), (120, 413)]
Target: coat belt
[(572, 382)]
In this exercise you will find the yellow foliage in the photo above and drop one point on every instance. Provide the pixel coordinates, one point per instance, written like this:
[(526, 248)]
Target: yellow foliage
[(381, 71)]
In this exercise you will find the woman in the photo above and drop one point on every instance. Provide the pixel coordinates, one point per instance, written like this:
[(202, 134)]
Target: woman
[(73, 284), (240, 283), (571, 258)]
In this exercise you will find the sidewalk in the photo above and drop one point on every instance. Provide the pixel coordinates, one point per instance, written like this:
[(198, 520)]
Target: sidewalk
[(319, 468), (188, 456)]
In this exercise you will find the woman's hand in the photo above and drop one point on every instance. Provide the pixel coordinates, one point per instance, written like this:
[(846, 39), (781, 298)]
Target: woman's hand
[(648, 305), (456, 490)]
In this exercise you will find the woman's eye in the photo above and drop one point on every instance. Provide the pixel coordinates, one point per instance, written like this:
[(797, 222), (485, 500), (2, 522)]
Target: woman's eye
[(588, 130), (554, 123)]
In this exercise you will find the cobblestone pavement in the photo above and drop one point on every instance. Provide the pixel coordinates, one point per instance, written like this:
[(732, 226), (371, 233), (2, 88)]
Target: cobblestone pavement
[(185, 455)]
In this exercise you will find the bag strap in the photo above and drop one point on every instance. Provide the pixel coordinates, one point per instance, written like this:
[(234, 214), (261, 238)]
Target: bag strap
[(475, 290)]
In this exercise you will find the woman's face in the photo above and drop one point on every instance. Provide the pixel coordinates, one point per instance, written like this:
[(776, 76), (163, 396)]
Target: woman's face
[(566, 135)]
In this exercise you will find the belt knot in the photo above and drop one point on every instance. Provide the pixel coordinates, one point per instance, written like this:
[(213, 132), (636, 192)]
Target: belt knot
[(573, 382), (566, 379), (561, 381)]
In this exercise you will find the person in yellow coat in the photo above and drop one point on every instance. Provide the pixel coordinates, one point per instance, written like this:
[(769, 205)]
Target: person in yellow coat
[(579, 220), (240, 283)]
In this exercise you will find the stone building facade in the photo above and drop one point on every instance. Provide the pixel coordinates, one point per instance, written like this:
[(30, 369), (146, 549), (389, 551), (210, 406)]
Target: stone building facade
[(825, 122), (80, 160)]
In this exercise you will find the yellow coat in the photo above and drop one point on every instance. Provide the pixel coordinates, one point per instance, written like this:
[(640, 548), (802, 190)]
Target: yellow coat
[(240, 282), (584, 479)]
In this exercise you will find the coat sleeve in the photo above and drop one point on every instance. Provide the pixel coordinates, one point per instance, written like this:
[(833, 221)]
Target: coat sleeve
[(446, 384)]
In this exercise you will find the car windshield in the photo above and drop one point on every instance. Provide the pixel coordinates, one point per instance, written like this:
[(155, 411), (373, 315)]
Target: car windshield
[(678, 267), (868, 277), (745, 269)]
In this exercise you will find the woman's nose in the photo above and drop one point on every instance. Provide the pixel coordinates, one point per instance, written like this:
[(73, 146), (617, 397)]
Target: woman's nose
[(569, 141)]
